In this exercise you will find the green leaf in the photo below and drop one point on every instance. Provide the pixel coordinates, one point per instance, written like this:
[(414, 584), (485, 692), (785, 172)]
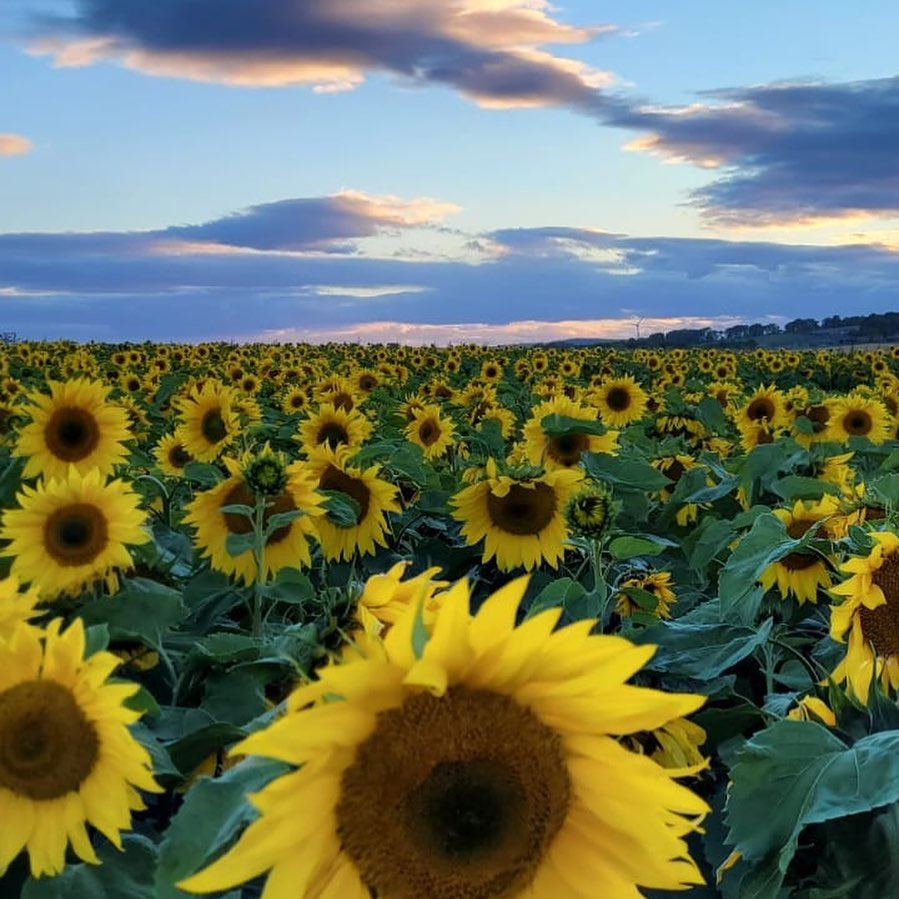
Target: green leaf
[(120, 875), (341, 508), (212, 814), (281, 520), (560, 425), (142, 610), (557, 593), (238, 544), (202, 473), (766, 542), (711, 414), (797, 773), (793, 487), (624, 472), (629, 547), (238, 509), (886, 488)]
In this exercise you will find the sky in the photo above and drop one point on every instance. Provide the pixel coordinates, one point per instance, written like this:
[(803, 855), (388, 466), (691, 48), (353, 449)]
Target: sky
[(443, 170)]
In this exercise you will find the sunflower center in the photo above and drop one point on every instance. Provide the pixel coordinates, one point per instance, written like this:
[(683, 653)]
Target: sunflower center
[(858, 423), (798, 561), (453, 796), (47, 746), (335, 479), (818, 416), (760, 408), (75, 534), (566, 449), (618, 399), (240, 495), (429, 432), (523, 511), (212, 427), (880, 626), (72, 434), (343, 400), (178, 456), (333, 434), (368, 382)]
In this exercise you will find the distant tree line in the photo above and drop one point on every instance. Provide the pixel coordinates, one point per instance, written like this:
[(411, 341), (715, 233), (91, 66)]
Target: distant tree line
[(877, 327)]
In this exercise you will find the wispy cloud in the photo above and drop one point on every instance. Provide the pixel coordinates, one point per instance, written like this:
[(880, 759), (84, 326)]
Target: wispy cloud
[(14, 145)]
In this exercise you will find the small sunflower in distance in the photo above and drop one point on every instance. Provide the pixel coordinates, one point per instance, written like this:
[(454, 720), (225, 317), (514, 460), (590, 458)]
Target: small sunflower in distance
[(17, 606), (373, 497), (564, 450), (67, 758), (590, 511), (209, 421), (521, 520), (431, 431), (333, 426), (869, 613), (65, 535), (286, 547), (460, 771), (171, 456), (800, 573), (766, 405), (658, 584), (74, 426), (621, 401)]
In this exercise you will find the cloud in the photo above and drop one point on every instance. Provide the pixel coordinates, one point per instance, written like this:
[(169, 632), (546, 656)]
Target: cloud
[(14, 145), (492, 51), (788, 154), (319, 266)]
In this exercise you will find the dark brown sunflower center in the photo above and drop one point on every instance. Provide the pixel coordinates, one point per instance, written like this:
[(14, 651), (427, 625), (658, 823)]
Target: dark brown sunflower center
[(72, 434), (760, 408), (566, 449), (240, 495), (618, 399), (213, 427), (456, 796), (343, 400), (799, 561), (333, 434), (858, 423), (429, 432), (47, 746), (75, 534), (179, 456), (335, 479), (368, 382), (524, 510), (880, 626)]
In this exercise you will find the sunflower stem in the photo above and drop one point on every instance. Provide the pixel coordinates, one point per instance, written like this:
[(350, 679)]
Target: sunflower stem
[(259, 557)]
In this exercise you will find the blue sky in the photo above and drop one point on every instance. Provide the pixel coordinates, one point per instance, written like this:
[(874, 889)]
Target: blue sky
[(485, 169)]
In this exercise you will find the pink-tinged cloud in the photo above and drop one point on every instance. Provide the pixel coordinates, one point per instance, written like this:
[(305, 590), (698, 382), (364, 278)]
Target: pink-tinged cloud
[(492, 51), (14, 145)]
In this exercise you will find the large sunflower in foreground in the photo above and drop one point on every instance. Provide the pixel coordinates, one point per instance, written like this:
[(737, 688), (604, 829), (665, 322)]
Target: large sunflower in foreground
[(801, 572), (869, 613), (431, 431), (17, 606), (373, 496), (564, 450), (485, 765), (620, 401), (334, 426), (209, 421), (286, 547), (521, 520), (67, 534), (67, 758), (74, 426), (858, 416)]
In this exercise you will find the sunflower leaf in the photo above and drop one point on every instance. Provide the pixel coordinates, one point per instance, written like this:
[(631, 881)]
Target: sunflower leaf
[(342, 509), (560, 425), (238, 544), (282, 520), (629, 547)]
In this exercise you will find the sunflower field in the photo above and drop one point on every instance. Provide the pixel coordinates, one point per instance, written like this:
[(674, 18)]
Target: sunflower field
[(346, 622)]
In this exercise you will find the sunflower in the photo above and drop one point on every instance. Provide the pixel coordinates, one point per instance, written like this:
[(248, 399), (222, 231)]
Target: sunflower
[(373, 496), (295, 400), (17, 606), (564, 450), (658, 583), (521, 520), (74, 426), (485, 412), (332, 426), (766, 405), (285, 547), (68, 534), (484, 764), (67, 758), (620, 401), (869, 613), (800, 573), (171, 456), (387, 596), (209, 421), (431, 431), (674, 468), (858, 416), (591, 511)]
